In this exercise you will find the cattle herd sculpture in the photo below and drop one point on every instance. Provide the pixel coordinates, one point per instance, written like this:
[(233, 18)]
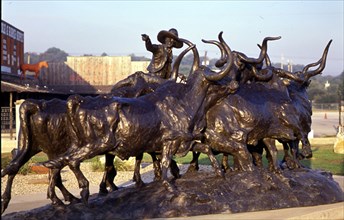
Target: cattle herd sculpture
[(238, 110)]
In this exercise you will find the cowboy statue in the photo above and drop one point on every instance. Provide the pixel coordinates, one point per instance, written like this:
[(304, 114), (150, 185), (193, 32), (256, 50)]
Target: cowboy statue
[(162, 54)]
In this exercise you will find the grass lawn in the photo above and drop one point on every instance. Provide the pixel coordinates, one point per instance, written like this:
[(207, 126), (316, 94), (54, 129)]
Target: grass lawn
[(323, 157)]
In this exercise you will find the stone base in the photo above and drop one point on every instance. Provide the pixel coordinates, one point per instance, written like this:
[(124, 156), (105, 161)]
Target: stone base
[(202, 193)]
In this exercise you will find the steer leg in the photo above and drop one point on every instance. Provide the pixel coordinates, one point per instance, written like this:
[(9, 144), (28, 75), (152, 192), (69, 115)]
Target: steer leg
[(82, 181), (256, 152), (271, 154), (156, 167), (66, 194), (12, 169), (242, 157), (109, 175), (137, 175), (165, 164), (306, 147), (203, 148), (194, 162), (51, 188), (296, 156), (225, 165)]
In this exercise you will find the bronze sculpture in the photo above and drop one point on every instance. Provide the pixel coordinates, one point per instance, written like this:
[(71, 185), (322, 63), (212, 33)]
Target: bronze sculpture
[(161, 63), (238, 111)]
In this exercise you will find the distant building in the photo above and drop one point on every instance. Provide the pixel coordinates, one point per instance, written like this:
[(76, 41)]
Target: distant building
[(90, 74), (87, 75), (12, 48)]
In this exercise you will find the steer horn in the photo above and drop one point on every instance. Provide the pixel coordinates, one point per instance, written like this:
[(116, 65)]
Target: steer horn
[(321, 67), (179, 59), (304, 75), (222, 60), (262, 54), (213, 76)]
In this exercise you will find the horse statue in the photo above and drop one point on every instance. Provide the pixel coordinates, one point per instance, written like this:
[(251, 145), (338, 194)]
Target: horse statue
[(33, 67)]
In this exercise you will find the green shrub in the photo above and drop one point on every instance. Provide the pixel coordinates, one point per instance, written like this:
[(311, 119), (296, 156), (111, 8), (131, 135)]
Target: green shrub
[(96, 165), (5, 161), (125, 165), (25, 169)]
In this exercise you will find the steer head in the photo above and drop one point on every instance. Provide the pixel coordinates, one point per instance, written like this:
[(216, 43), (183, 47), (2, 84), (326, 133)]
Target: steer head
[(204, 71), (304, 75), (244, 68)]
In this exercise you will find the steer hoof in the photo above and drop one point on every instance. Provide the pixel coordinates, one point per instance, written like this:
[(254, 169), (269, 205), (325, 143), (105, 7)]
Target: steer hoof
[(85, 193), (140, 184), (220, 174), (192, 168), (4, 205), (58, 204), (169, 186)]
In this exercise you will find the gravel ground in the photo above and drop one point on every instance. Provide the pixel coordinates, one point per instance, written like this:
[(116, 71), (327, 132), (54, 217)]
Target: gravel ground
[(37, 183)]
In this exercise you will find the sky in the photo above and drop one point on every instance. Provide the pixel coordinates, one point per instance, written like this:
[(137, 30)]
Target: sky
[(115, 27)]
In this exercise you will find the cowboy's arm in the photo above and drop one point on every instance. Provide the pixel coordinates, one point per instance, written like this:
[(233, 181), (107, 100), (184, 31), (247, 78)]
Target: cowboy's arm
[(149, 46)]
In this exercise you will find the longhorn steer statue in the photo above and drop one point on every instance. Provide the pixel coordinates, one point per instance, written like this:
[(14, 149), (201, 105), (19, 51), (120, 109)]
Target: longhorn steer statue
[(43, 127), (160, 121), (259, 111)]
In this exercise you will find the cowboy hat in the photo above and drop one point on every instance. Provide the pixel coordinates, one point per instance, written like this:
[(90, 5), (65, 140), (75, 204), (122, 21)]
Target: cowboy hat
[(172, 33)]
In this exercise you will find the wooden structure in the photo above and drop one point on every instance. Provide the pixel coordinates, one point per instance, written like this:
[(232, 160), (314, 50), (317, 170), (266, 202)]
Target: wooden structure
[(93, 71)]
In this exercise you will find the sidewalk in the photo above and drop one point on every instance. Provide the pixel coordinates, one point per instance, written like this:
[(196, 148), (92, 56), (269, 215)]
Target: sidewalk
[(6, 144)]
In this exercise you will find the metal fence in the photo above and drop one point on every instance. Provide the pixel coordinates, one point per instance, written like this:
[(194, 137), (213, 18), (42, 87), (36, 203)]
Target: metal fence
[(325, 106), (5, 119)]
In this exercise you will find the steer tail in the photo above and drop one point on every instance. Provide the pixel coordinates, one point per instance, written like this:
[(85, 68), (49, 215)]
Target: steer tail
[(24, 151)]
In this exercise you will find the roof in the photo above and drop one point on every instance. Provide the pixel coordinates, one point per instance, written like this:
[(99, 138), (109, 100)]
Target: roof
[(12, 87), (12, 83)]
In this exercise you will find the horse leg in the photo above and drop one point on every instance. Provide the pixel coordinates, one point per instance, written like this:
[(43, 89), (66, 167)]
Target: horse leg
[(37, 72), (203, 148), (194, 162), (82, 181), (109, 175)]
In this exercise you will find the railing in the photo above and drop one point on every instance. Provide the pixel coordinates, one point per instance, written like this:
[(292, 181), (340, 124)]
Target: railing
[(325, 106), (5, 120)]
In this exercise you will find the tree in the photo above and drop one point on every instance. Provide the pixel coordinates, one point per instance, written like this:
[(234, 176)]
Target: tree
[(53, 54), (138, 58), (104, 54)]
